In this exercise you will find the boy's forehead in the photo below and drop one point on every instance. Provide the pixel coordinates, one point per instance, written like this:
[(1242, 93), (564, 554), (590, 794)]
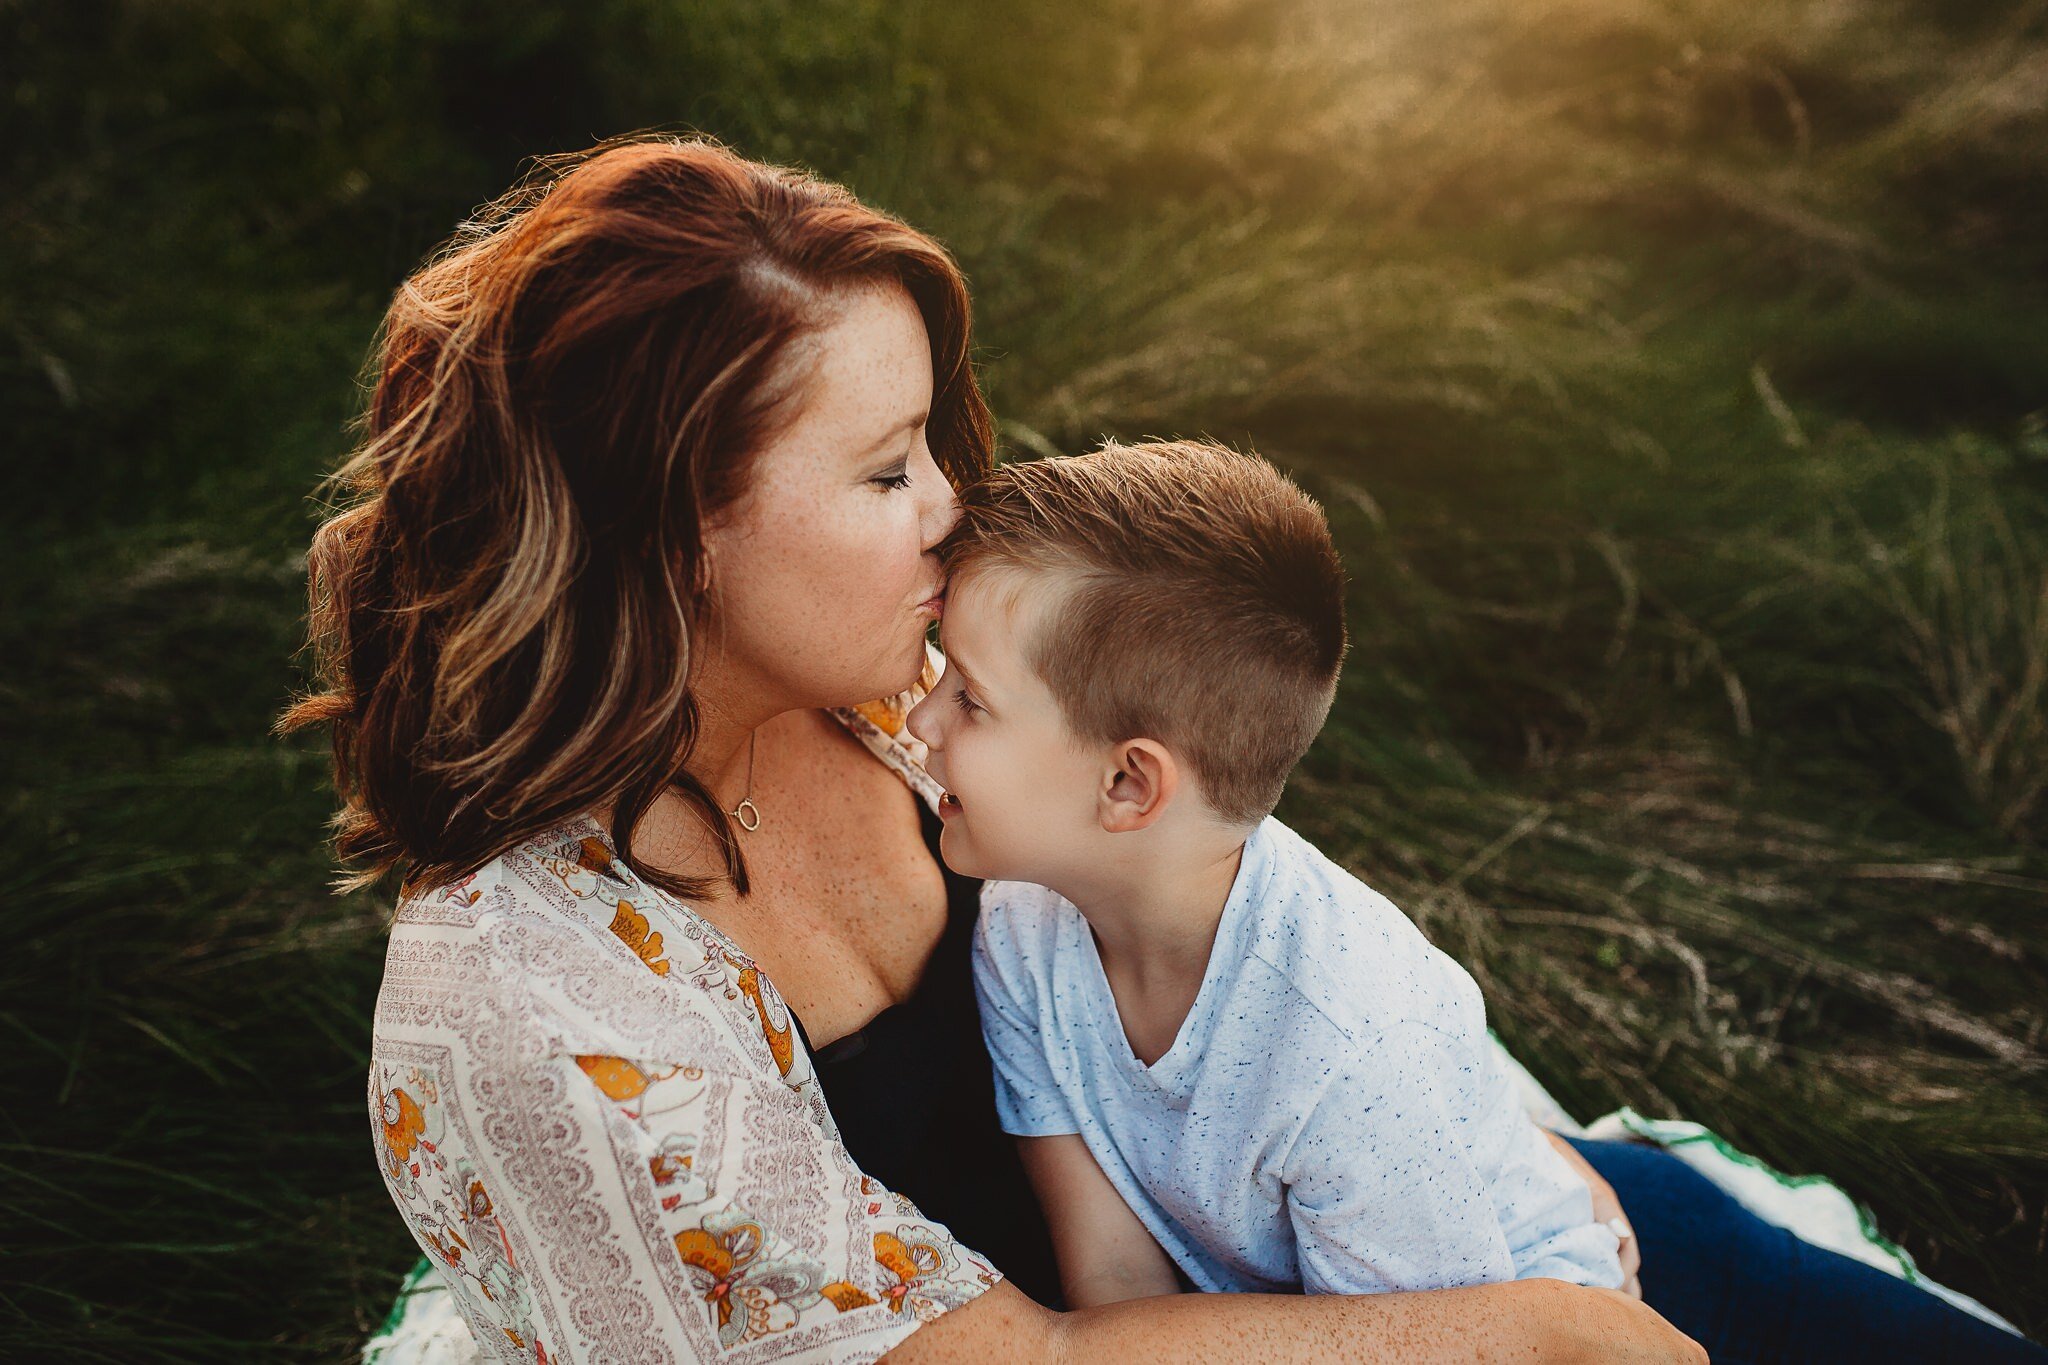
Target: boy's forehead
[(987, 614)]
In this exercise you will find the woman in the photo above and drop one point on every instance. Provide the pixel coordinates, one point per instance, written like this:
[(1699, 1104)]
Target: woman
[(643, 514)]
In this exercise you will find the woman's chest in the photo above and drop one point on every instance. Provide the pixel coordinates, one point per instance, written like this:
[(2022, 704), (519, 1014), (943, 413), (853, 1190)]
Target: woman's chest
[(847, 903)]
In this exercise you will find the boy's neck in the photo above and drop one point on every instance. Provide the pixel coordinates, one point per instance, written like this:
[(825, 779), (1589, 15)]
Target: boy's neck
[(1155, 910)]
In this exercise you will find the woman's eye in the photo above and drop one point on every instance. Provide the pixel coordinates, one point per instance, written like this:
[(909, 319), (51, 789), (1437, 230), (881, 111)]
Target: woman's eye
[(895, 482)]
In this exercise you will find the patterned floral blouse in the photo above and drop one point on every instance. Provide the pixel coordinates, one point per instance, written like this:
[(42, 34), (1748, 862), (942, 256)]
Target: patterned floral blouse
[(601, 1125)]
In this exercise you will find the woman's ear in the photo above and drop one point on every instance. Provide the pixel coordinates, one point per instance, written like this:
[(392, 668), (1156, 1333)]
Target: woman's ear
[(1137, 787)]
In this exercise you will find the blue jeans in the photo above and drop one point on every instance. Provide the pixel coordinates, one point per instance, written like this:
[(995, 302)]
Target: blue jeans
[(1754, 1294)]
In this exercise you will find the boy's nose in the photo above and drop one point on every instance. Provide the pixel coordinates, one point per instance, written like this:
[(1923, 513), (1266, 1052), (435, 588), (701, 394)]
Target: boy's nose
[(922, 721)]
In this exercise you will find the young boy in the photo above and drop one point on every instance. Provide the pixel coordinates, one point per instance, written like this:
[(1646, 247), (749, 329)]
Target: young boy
[(1221, 1051)]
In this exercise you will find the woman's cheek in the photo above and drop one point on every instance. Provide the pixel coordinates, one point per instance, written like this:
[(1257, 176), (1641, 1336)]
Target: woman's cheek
[(891, 561)]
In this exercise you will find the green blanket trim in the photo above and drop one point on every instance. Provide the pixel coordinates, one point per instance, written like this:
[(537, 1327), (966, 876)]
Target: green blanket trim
[(1680, 1132), (396, 1317)]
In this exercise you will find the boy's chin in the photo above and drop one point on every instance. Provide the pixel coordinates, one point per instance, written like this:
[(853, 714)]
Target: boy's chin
[(954, 852), (961, 856)]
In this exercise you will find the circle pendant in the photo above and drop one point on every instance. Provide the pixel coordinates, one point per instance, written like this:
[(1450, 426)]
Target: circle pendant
[(748, 814)]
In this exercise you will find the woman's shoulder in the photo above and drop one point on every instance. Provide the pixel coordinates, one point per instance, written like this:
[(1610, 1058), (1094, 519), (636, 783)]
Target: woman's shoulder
[(596, 1117), (557, 940)]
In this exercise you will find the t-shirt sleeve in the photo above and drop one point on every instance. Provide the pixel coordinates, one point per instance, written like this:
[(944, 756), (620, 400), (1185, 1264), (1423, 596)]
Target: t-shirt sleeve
[(1384, 1193), (759, 1215), (1029, 1102), (1545, 1208)]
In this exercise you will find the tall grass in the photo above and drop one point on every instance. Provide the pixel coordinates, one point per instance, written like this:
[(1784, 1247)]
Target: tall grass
[(1672, 372)]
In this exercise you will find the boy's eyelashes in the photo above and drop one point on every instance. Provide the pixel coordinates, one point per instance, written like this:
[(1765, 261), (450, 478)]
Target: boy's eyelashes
[(964, 702)]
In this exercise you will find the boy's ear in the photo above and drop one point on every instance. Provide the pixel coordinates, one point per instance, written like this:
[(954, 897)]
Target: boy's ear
[(1137, 787)]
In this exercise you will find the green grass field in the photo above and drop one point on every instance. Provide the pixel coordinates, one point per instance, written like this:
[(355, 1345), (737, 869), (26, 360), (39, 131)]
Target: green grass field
[(1676, 375)]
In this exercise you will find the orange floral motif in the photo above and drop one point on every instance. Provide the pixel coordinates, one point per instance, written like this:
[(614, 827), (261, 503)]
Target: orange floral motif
[(674, 1169), (921, 1263), (781, 1042), (846, 1297), (631, 928), (404, 1127), (886, 714), (751, 1292), (666, 1167), (909, 1262), (618, 1078), (593, 856), (449, 1250)]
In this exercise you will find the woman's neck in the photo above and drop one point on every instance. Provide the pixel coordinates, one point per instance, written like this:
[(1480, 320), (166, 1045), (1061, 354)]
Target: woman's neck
[(733, 744), (727, 744)]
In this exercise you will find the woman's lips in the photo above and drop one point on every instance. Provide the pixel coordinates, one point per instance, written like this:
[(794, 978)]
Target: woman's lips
[(935, 604)]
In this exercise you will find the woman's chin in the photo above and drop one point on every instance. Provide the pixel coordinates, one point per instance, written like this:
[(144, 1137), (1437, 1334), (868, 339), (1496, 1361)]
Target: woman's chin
[(884, 680), (913, 663)]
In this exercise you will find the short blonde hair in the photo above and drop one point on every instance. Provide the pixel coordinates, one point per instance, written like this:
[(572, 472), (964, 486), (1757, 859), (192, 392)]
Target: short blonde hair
[(1202, 603)]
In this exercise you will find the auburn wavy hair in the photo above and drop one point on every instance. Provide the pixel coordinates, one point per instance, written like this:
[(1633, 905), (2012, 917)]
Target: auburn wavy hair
[(502, 610)]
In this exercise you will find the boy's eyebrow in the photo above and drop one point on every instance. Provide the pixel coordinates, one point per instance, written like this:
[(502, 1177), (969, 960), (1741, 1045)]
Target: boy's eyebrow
[(953, 660)]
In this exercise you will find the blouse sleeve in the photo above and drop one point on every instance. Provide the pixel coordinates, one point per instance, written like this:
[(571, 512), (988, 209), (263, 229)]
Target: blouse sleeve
[(606, 1208), (765, 1241)]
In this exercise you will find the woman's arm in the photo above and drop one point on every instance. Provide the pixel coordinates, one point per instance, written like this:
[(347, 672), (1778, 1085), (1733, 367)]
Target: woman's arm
[(1531, 1322), (1105, 1254)]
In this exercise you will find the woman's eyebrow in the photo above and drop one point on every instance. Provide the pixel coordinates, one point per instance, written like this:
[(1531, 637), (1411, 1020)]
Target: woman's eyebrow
[(907, 424)]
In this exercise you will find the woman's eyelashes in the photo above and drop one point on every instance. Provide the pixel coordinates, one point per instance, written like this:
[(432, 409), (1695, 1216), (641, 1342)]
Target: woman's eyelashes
[(897, 478)]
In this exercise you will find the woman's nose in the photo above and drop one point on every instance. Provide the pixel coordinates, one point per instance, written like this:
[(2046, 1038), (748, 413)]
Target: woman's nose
[(941, 509)]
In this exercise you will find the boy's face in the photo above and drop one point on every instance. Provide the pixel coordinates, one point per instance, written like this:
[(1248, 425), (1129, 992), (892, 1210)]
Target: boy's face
[(1020, 788)]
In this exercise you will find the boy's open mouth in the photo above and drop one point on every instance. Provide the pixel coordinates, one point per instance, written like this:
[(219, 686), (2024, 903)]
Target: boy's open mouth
[(949, 804)]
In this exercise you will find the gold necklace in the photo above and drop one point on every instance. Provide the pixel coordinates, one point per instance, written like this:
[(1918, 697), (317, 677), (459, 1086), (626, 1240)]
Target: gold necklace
[(746, 812)]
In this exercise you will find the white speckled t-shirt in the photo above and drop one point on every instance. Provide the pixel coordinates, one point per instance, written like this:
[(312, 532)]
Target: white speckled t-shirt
[(1331, 1118)]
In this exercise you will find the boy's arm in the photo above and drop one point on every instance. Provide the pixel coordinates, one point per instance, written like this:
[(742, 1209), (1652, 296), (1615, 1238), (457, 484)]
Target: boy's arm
[(1105, 1253), (1607, 1211)]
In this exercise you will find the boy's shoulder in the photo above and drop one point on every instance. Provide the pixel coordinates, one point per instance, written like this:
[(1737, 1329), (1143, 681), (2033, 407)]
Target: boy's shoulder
[(1020, 922), (1348, 950)]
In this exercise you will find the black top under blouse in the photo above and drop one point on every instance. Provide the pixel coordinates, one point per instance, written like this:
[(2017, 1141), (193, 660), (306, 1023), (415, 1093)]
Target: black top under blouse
[(914, 1096)]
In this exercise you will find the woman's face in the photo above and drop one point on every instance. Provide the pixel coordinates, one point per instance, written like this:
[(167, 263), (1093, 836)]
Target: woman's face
[(821, 576)]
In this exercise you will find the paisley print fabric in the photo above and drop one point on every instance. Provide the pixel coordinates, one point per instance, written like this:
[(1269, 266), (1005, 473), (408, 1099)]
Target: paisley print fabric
[(597, 1118)]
